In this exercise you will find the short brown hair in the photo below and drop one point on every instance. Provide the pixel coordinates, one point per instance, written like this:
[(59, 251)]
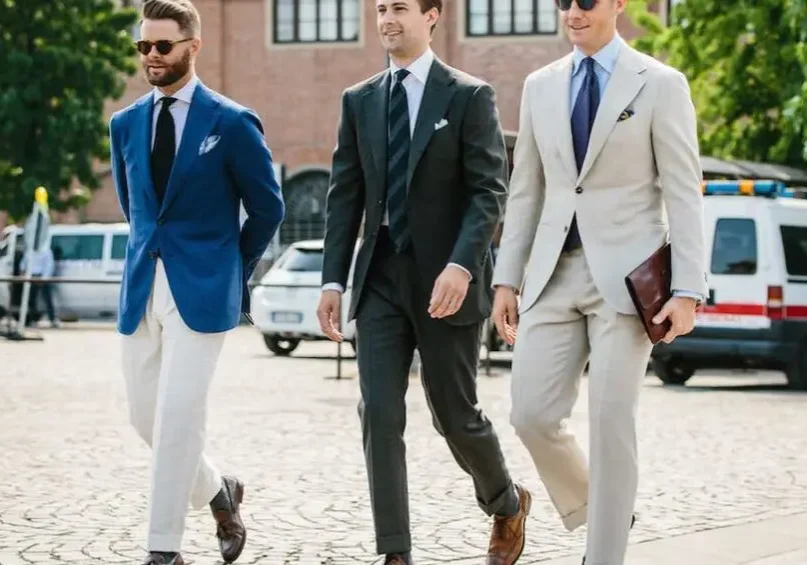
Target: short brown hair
[(426, 5), (183, 12)]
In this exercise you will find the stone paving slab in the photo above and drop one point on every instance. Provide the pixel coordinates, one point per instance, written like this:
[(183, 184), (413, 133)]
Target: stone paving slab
[(777, 541), (723, 451)]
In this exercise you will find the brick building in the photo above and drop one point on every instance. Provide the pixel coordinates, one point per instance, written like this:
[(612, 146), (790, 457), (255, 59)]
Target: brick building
[(291, 59)]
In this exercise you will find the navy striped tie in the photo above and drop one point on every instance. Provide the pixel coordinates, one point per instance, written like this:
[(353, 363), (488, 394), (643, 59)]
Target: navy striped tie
[(398, 163)]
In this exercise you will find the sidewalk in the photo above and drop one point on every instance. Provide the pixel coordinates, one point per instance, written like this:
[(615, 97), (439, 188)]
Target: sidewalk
[(777, 541)]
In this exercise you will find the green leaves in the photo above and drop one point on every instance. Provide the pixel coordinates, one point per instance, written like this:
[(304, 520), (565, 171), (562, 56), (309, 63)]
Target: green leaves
[(60, 60), (746, 62)]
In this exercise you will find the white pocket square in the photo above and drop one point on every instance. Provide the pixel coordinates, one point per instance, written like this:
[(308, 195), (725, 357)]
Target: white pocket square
[(441, 124), (208, 144)]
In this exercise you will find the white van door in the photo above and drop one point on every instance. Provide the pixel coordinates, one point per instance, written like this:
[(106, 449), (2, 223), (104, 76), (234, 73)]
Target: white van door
[(738, 273), (790, 222), (114, 269), (79, 255)]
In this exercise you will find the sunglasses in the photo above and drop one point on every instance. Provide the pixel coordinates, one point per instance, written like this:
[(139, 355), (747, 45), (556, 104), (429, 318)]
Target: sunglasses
[(164, 46), (584, 5)]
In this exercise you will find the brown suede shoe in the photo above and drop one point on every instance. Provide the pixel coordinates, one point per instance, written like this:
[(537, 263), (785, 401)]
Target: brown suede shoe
[(157, 559), (230, 528), (507, 538)]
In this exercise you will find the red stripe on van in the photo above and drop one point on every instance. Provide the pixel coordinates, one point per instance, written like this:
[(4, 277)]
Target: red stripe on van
[(789, 311)]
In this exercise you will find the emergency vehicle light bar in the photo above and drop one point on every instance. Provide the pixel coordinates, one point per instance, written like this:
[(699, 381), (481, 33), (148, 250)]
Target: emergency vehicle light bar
[(747, 187)]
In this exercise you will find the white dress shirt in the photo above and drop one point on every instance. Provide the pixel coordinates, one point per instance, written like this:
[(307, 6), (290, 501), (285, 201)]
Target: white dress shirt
[(414, 84), (179, 109)]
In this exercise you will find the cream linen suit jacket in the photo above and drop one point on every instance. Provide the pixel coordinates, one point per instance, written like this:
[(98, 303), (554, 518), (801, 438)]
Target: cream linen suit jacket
[(640, 184)]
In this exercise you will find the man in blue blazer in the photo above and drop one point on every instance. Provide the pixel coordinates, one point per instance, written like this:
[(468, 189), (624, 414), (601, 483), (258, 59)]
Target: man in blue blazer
[(184, 158)]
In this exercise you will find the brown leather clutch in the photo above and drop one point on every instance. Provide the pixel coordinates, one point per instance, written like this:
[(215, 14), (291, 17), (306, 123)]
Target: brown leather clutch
[(649, 288)]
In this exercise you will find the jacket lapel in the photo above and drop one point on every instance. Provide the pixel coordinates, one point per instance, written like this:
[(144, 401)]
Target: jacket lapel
[(623, 86), (560, 110), (436, 97), (202, 117), (376, 100), (144, 119)]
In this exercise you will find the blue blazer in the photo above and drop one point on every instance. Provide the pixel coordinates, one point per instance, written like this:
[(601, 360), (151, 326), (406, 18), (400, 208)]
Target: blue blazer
[(222, 161)]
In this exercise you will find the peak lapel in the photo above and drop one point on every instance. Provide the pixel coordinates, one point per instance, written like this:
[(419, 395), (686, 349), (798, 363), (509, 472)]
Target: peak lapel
[(436, 97), (623, 86), (376, 100), (202, 117)]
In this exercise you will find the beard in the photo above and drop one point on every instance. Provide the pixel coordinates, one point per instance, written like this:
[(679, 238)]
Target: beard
[(172, 73)]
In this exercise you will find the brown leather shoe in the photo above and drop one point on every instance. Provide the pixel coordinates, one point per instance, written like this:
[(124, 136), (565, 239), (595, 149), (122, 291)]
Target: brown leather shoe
[(158, 559), (507, 538), (230, 528)]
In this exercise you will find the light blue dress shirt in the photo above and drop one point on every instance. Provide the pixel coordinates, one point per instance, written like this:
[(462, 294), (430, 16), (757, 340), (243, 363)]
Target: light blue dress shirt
[(604, 62)]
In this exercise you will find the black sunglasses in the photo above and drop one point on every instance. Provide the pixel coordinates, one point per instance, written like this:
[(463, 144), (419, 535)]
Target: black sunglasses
[(584, 5), (164, 46)]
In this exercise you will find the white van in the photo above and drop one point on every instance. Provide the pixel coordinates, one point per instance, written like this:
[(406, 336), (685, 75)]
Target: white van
[(756, 313), (81, 251)]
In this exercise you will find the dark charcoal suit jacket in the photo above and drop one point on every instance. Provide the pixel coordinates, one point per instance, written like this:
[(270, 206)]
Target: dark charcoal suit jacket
[(456, 183)]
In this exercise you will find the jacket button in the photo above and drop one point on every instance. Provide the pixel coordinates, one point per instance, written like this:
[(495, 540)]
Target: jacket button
[(153, 254), (160, 221), (579, 190)]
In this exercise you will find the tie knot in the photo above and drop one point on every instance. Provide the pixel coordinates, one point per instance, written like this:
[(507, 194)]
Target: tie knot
[(167, 101), (401, 74), (588, 64)]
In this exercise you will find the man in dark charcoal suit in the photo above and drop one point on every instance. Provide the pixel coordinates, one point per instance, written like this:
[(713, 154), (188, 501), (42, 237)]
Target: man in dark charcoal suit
[(420, 154)]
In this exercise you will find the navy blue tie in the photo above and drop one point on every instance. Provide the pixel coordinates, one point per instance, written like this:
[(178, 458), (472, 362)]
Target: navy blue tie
[(398, 163), (585, 110)]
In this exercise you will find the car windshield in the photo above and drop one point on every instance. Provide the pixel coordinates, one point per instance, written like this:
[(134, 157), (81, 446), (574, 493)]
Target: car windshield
[(794, 240), (301, 260)]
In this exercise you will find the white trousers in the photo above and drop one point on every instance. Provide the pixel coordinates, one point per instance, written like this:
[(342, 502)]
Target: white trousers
[(168, 369), (569, 325)]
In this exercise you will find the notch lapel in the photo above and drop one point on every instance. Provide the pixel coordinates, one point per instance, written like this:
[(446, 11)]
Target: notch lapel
[(561, 110), (623, 86), (203, 115), (436, 97), (376, 101), (144, 118)]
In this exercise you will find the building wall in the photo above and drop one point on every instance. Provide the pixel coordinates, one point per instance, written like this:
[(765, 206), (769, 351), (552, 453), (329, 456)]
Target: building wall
[(296, 88)]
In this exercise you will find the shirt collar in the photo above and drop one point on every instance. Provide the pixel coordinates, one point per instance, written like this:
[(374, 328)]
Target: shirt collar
[(419, 67), (184, 94), (605, 57)]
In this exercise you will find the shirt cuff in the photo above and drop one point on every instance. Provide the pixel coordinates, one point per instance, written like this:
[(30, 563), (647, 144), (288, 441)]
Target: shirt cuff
[(333, 286), (470, 276), (699, 298)]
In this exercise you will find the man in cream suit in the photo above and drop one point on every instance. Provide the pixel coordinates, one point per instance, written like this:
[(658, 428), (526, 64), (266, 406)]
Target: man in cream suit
[(606, 169)]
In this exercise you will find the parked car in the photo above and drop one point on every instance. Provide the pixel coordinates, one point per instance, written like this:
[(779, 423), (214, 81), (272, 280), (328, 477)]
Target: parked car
[(284, 303), (756, 313)]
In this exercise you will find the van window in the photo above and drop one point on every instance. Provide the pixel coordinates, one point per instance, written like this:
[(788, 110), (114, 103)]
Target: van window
[(794, 240), (119, 246), (78, 247), (301, 260), (734, 250)]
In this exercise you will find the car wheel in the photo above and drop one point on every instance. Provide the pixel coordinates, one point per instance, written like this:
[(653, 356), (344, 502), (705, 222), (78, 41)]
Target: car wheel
[(280, 346), (797, 371), (672, 372)]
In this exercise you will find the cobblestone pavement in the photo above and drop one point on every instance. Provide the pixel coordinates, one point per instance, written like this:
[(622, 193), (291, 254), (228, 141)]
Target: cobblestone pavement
[(725, 450)]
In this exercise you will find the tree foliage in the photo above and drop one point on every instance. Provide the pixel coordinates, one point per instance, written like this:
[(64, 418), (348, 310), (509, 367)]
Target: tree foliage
[(746, 62), (60, 60)]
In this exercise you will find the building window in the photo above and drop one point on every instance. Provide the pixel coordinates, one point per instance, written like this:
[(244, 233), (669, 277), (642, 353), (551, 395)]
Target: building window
[(511, 17), (312, 21)]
